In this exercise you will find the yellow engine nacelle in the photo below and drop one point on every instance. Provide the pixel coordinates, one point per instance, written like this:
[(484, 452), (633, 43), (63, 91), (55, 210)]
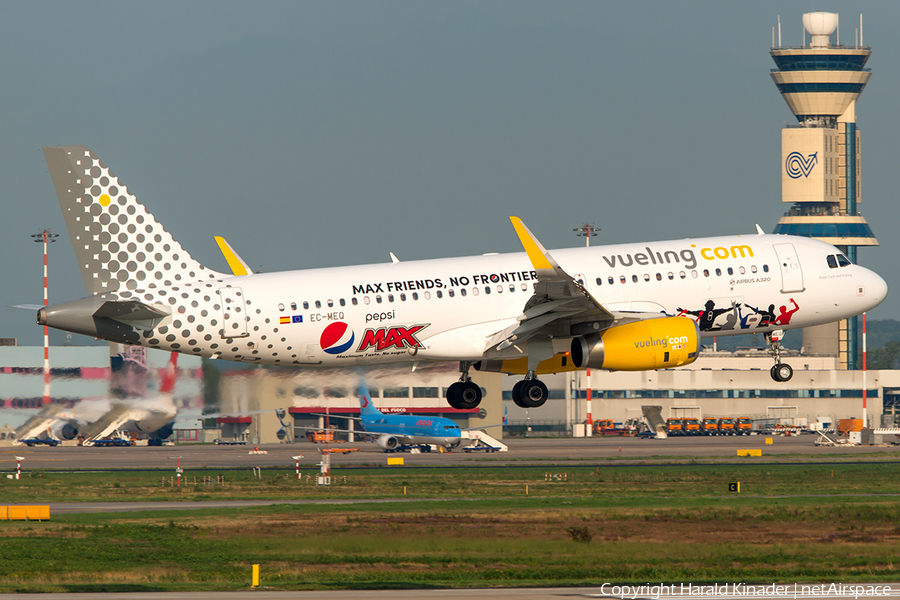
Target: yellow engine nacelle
[(641, 346)]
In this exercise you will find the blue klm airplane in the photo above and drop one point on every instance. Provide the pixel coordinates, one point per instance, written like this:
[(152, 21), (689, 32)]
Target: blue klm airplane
[(391, 431)]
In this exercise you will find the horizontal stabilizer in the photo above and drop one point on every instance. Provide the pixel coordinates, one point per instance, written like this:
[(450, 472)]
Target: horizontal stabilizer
[(132, 312), (29, 306)]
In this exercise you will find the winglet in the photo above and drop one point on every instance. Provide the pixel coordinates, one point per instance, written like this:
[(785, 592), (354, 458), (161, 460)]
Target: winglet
[(394, 258), (536, 252), (235, 262), (759, 230)]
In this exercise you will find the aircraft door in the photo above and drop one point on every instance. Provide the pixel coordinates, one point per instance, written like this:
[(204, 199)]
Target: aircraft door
[(789, 264), (234, 313)]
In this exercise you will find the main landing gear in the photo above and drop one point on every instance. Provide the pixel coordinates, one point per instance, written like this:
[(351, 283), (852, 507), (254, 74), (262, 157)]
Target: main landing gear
[(530, 392), (464, 394), (780, 372)]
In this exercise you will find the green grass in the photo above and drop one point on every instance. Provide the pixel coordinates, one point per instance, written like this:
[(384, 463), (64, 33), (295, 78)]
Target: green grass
[(640, 482), (465, 528)]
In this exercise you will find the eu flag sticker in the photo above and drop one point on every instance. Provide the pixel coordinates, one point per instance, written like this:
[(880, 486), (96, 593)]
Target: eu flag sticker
[(297, 319)]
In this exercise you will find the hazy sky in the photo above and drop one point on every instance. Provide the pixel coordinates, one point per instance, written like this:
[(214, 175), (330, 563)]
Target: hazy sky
[(314, 134)]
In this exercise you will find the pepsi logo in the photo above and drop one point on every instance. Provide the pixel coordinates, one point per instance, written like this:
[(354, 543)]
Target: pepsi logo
[(337, 338)]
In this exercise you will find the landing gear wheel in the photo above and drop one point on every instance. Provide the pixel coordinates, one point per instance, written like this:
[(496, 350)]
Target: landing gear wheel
[(517, 394), (464, 395), (452, 394), (782, 372), (530, 393), (468, 395)]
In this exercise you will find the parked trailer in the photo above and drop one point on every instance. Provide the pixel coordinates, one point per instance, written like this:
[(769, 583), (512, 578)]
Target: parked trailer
[(108, 442), (32, 442)]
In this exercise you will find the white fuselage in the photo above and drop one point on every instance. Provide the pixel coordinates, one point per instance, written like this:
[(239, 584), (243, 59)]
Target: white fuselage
[(446, 309)]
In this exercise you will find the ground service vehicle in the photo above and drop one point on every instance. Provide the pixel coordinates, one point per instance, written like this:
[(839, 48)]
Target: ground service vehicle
[(709, 426), (601, 425), (608, 427), (726, 426), (320, 437), (691, 426), (32, 442), (675, 426), (744, 426), (106, 442)]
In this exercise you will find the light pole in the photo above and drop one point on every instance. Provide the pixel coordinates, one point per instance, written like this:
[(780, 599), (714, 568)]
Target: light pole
[(178, 470), (19, 460), (297, 461), (46, 236), (587, 231)]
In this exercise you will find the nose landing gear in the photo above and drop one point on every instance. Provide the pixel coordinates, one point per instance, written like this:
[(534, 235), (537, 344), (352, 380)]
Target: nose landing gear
[(780, 372)]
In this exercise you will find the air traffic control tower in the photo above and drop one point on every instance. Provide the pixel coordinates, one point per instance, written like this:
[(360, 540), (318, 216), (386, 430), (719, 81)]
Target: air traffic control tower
[(820, 155)]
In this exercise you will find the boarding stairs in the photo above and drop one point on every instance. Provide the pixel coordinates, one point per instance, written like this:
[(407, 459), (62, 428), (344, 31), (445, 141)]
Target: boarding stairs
[(830, 438), (108, 425), (482, 441), (886, 431)]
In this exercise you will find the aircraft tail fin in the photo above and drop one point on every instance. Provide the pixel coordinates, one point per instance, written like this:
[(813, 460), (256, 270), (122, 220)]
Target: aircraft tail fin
[(167, 385), (119, 245), (366, 407)]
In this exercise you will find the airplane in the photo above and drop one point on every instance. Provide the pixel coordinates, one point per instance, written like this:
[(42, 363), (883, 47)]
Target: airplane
[(153, 417), (92, 419), (391, 430), (622, 307), (52, 422)]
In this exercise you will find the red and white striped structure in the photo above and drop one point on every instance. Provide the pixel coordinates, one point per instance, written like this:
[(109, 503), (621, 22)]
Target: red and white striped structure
[(46, 236)]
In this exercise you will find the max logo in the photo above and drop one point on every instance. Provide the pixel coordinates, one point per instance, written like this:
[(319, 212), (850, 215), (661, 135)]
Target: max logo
[(796, 165), (390, 338)]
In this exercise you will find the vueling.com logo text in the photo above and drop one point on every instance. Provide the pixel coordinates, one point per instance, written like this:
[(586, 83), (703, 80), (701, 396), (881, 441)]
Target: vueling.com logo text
[(742, 251)]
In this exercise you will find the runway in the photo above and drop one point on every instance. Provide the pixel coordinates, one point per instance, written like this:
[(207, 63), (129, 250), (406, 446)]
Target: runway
[(522, 451)]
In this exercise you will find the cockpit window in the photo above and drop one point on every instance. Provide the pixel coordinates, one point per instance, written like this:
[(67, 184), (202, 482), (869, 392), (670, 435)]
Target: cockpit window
[(843, 260), (832, 261)]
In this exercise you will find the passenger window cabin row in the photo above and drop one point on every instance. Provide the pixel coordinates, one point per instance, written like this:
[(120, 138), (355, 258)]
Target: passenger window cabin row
[(683, 274), (403, 296)]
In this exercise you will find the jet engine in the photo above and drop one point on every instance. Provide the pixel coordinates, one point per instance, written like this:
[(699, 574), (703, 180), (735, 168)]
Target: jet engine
[(157, 437), (644, 345), (387, 442), (66, 430)]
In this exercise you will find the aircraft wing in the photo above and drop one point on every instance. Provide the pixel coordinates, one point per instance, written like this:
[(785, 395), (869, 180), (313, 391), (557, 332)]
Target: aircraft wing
[(403, 439), (559, 301)]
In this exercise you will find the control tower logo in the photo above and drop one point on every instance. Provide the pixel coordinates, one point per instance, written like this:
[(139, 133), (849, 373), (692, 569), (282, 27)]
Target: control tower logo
[(796, 165)]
